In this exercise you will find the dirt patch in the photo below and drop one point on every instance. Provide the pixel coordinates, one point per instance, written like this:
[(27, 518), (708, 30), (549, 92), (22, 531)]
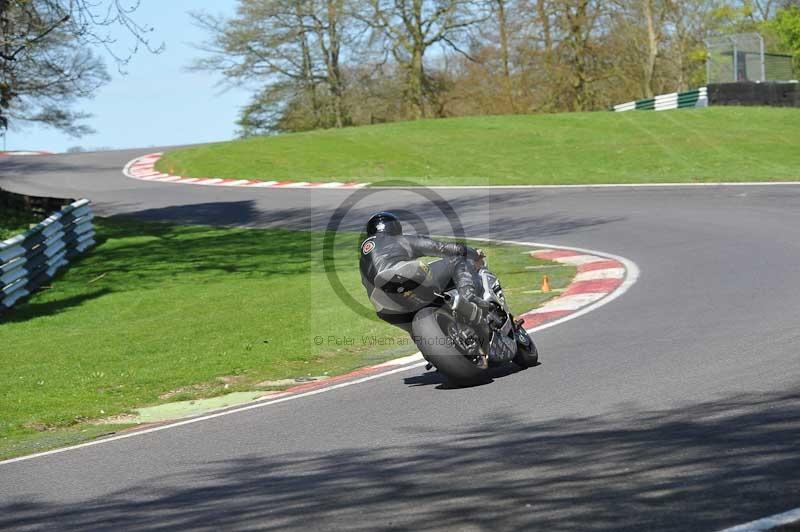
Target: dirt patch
[(231, 379), (283, 383), (38, 427), (121, 419), (223, 382)]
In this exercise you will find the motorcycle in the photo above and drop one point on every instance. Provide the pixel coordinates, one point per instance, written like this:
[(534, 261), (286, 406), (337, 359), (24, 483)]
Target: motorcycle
[(465, 354)]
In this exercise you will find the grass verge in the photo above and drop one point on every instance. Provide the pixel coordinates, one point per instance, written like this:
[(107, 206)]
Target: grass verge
[(159, 313), (699, 145), (15, 222)]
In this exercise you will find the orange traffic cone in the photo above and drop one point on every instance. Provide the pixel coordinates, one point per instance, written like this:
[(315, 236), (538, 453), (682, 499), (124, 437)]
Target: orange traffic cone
[(545, 284)]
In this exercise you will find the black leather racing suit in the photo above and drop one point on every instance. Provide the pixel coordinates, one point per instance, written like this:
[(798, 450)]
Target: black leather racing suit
[(399, 284)]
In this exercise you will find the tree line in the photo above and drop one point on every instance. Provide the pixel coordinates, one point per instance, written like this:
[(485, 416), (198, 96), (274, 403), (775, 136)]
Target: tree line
[(335, 63), (52, 55)]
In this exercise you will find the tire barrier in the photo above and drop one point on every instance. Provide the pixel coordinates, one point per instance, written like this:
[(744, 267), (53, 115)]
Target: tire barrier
[(673, 100), (29, 260), (747, 93), (36, 204)]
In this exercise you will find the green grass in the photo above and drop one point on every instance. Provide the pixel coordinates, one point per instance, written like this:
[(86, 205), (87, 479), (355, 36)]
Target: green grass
[(158, 308), (703, 145), (14, 222)]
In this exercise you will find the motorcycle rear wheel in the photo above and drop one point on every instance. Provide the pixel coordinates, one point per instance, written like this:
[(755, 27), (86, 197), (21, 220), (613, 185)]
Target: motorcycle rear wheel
[(437, 347)]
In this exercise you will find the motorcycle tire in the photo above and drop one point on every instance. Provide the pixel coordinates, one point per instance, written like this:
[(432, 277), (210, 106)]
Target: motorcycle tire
[(438, 349)]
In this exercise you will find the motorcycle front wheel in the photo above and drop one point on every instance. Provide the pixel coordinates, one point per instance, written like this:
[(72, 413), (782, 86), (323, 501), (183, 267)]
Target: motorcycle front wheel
[(527, 355), (430, 327)]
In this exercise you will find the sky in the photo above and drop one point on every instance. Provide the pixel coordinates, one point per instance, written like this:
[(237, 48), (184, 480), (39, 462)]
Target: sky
[(158, 103)]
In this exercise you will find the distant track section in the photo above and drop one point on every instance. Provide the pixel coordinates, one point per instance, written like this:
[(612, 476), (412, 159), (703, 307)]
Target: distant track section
[(15, 153), (143, 168)]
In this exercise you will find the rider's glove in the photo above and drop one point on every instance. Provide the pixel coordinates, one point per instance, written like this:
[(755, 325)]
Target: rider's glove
[(474, 254), (482, 303), (478, 257), (468, 293)]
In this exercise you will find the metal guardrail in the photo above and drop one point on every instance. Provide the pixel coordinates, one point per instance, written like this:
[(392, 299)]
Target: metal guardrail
[(29, 260), (673, 100)]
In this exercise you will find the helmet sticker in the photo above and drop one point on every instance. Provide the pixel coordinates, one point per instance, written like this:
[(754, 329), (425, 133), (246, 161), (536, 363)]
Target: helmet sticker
[(367, 246)]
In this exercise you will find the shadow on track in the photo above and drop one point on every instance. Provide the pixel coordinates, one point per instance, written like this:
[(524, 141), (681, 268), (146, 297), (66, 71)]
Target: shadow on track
[(700, 467), (477, 214), (31, 165), (430, 378)]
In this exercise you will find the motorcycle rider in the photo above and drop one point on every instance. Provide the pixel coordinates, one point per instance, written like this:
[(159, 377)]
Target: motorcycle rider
[(398, 284)]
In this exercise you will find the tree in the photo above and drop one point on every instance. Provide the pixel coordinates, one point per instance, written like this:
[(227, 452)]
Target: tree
[(500, 10), (579, 21), (291, 50), (539, 68), (544, 14), (641, 31), (763, 10), (409, 28), (787, 26), (46, 57), (328, 29), (326, 63), (654, 12)]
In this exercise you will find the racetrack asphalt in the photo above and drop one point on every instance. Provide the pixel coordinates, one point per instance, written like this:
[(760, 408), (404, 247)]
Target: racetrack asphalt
[(675, 407)]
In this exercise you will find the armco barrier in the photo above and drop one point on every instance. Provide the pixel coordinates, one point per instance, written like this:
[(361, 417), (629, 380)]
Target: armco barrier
[(673, 100), (29, 260)]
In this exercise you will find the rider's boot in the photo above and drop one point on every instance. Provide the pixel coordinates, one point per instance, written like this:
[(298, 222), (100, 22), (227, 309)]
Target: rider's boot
[(470, 312), (475, 317)]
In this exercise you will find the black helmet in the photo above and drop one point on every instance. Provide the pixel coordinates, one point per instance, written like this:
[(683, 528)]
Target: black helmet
[(384, 222)]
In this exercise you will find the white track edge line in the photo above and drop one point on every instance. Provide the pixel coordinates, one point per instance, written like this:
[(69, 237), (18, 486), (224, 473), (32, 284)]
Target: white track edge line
[(251, 406), (600, 185), (578, 186), (633, 275), (767, 523)]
